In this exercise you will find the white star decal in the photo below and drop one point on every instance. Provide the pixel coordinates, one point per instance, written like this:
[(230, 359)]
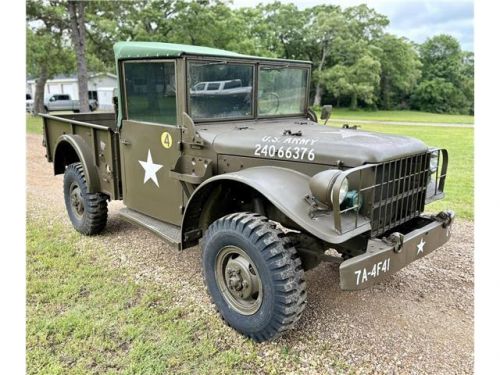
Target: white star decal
[(420, 246), (150, 169)]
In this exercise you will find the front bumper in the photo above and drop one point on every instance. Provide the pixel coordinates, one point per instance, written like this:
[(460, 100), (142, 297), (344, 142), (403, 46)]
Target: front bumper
[(384, 257)]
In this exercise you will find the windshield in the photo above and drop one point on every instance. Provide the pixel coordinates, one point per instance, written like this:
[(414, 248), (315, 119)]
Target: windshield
[(282, 91), (220, 90)]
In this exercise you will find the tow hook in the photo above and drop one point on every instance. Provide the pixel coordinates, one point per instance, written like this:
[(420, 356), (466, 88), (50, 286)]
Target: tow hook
[(396, 239), (445, 217)]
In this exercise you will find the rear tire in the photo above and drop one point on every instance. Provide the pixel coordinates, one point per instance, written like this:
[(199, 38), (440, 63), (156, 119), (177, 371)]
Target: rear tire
[(254, 275), (88, 212)]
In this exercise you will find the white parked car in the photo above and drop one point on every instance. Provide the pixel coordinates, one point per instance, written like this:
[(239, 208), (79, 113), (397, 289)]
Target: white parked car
[(63, 102), (229, 87)]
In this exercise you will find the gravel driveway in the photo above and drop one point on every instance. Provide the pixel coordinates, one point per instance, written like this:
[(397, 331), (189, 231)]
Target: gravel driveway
[(418, 321)]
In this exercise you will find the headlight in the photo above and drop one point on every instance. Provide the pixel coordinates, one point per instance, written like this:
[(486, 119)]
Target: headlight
[(321, 186), (433, 165), (344, 188), (353, 199)]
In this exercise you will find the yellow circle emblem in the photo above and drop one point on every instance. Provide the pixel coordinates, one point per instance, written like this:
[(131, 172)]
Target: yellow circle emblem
[(166, 140)]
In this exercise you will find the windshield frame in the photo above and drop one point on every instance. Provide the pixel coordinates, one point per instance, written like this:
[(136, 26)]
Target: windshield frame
[(307, 68), (256, 64)]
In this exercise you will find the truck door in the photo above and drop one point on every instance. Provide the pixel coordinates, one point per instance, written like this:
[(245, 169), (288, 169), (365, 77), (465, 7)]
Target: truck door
[(64, 103), (52, 105), (150, 140)]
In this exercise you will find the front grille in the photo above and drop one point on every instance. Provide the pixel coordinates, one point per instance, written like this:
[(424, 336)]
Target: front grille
[(398, 194)]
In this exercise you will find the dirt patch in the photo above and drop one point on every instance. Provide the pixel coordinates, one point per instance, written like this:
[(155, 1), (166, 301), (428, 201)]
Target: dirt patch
[(418, 321)]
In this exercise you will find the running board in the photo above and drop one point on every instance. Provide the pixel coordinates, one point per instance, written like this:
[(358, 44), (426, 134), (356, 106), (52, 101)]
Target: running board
[(169, 233)]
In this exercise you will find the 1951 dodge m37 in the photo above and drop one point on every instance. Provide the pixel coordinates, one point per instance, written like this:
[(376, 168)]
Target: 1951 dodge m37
[(214, 147)]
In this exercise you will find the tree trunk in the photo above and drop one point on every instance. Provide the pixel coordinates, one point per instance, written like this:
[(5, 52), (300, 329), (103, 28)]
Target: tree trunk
[(386, 100), (319, 89), (354, 101), (77, 19), (317, 95), (38, 106)]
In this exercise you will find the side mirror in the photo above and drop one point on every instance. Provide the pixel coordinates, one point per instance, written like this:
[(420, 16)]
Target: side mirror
[(326, 112)]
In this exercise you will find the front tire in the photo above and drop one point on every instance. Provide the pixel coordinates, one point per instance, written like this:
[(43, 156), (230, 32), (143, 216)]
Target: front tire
[(254, 275), (88, 212)]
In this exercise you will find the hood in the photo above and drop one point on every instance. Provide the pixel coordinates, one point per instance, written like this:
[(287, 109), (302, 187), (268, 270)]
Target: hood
[(317, 143)]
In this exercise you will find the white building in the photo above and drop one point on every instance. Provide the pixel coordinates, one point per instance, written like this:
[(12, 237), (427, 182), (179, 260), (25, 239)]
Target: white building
[(101, 86)]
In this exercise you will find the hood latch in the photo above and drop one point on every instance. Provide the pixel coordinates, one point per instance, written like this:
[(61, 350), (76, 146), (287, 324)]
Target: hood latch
[(289, 132)]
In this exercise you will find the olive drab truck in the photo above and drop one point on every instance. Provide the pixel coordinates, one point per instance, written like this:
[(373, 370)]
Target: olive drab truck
[(221, 149)]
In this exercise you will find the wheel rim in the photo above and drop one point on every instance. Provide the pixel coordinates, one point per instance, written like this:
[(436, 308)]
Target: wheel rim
[(238, 280), (76, 200)]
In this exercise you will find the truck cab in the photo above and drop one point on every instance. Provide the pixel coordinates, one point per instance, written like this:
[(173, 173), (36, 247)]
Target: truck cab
[(221, 149)]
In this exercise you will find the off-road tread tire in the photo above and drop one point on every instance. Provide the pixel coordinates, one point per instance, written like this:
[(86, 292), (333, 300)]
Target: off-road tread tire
[(96, 205), (283, 262)]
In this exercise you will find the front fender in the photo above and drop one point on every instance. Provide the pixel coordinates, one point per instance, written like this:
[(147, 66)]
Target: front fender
[(85, 156), (286, 190)]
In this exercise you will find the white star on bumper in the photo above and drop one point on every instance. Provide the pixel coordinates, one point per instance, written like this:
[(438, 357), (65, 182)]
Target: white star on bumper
[(150, 169), (420, 246)]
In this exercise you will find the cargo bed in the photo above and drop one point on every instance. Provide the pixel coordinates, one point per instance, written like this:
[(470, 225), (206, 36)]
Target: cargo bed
[(95, 137)]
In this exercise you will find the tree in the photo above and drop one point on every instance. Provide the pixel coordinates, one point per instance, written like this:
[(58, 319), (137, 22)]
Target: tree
[(439, 95), (441, 58), (400, 69), (108, 22), (46, 51), (327, 27), (76, 10), (447, 83), (359, 81)]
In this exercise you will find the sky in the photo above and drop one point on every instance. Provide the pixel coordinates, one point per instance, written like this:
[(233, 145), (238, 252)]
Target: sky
[(416, 20)]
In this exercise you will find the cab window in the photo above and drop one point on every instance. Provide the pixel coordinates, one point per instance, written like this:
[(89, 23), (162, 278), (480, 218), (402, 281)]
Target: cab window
[(150, 93), (199, 87), (216, 101), (213, 86)]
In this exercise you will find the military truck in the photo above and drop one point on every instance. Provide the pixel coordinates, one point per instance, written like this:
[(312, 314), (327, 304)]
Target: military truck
[(251, 175)]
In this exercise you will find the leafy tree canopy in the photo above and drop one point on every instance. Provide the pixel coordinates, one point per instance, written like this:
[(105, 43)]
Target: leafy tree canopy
[(355, 61)]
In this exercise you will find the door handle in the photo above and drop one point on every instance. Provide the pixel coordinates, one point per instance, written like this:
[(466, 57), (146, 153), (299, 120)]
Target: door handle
[(125, 142)]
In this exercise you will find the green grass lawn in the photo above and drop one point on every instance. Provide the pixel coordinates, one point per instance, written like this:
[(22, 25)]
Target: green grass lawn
[(85, 315), (416, 116), (34, 124)]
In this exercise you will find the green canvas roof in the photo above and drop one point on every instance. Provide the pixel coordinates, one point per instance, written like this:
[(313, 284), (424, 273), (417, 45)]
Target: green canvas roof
[(129, 50)]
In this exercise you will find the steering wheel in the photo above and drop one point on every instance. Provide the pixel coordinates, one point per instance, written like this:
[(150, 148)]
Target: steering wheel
[(269, 103)]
